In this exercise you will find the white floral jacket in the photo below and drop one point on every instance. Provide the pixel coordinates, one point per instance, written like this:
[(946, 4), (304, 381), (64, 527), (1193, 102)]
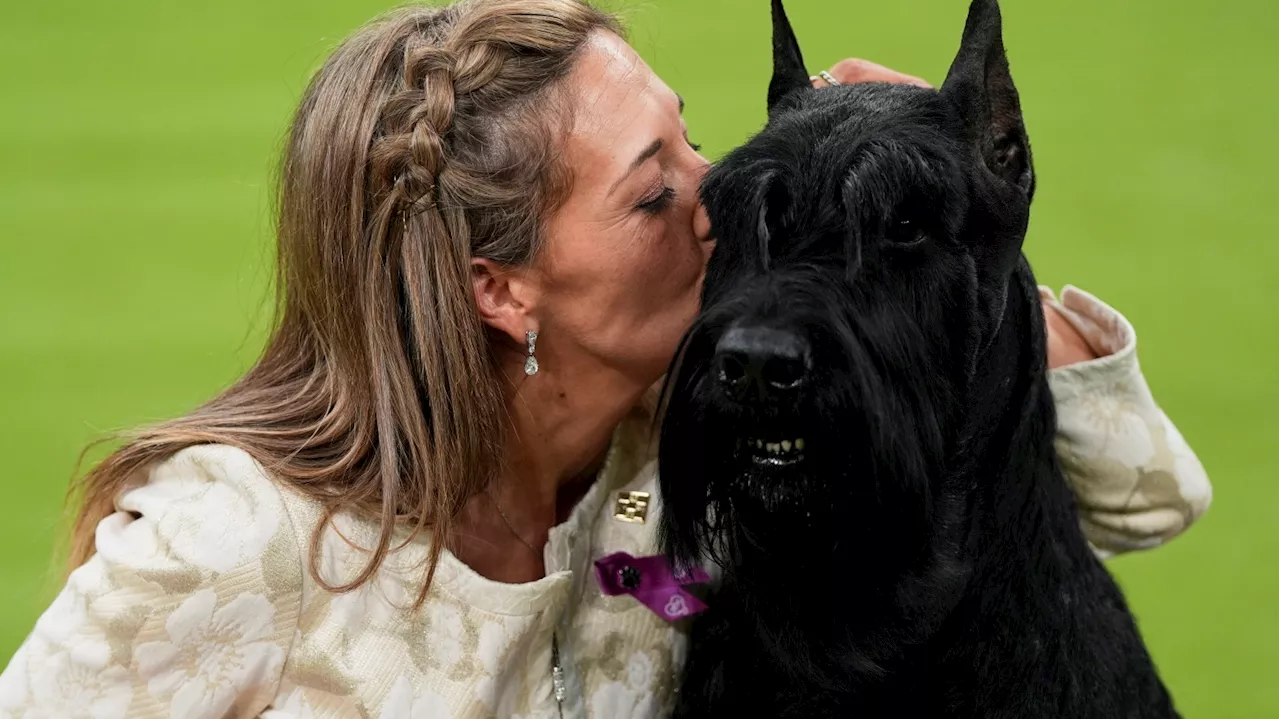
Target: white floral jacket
[(198, 602)]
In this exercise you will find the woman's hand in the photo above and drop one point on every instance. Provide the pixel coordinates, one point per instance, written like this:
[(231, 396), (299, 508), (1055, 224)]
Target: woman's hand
[(854, 70), (1065, 343)]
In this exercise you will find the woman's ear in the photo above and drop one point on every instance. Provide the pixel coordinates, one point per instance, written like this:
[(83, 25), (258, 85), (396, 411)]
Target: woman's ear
[(505, 297)]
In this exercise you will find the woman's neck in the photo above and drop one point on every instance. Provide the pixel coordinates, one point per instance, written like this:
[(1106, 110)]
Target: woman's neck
[(561, 426)]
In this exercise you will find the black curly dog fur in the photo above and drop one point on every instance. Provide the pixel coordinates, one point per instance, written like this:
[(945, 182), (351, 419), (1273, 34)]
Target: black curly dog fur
[(859, 429)]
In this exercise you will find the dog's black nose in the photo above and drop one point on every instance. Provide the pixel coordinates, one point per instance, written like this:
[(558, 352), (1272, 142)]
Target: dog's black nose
[(772, 361)]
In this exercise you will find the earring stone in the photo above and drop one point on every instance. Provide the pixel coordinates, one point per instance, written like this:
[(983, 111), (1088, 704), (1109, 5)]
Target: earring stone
[(531, 362)]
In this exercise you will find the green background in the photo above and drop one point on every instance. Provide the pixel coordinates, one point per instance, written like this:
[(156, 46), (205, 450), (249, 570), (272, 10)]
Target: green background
[(136, 146)]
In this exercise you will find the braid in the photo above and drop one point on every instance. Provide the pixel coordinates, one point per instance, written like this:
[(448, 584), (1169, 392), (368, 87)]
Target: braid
[(407, 158), (439, 75), (429, 71), (415, 176), (426, 139)]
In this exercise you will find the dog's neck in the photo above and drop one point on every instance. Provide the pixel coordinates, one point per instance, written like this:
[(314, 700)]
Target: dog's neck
[(1018, 508)]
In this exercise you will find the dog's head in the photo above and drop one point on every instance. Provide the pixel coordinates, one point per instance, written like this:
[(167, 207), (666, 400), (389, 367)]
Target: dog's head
[(867, 240)]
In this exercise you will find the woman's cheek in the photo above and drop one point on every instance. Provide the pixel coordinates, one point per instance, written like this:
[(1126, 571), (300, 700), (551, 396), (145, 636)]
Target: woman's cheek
[(652, 259), (665, 267)]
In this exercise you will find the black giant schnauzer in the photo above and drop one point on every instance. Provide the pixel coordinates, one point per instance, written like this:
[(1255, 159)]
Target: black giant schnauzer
[(859, 430)]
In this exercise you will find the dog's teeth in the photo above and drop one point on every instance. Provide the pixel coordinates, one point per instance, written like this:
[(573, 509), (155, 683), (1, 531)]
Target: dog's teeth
[(759, 444), (786, 445), (799, 444), (772, 447)]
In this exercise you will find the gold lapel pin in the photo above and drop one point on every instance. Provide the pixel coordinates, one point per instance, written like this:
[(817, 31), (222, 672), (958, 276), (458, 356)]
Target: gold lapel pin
[(631, 507)]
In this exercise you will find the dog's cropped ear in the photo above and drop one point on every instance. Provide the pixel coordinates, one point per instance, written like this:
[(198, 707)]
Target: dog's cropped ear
[(980, 85), (789, 73)]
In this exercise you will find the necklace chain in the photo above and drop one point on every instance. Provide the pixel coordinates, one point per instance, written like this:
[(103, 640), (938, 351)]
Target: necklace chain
[(557, 672), (511, 527)]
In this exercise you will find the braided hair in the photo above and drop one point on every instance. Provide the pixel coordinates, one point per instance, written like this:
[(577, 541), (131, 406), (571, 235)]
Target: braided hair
[(427, 139)]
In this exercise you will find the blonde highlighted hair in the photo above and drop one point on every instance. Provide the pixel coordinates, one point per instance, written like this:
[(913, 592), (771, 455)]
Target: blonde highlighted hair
[(427, 139)]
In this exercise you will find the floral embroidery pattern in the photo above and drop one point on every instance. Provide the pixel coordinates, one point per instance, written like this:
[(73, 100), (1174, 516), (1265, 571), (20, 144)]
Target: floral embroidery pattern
[(491, 653), (218, 541), (384, 599), (211, 657), (632, 697), (81, 681), (403, 703), (447, 635), (84, 683), (198, 590), (1115, 431)]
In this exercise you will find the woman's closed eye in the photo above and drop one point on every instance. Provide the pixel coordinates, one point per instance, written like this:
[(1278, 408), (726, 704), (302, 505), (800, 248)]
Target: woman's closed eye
[(658, 203)]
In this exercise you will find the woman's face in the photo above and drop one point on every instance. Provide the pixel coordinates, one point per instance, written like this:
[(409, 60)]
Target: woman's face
[(622, 267)]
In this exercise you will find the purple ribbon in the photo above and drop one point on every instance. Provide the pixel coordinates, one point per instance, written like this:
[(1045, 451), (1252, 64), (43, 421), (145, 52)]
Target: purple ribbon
[(652, 581)]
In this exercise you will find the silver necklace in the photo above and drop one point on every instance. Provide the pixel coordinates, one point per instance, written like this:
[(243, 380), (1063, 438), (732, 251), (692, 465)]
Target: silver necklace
[(557, 672)]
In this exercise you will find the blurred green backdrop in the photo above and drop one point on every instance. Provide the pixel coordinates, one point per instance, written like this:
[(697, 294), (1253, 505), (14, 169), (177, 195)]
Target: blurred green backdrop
[(137, 140)]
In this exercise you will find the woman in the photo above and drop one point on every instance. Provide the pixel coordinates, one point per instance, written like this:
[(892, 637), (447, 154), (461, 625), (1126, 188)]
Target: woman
[(395, 511)]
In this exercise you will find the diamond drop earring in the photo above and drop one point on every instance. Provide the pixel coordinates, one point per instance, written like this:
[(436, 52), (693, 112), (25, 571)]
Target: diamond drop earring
[(531, 362)]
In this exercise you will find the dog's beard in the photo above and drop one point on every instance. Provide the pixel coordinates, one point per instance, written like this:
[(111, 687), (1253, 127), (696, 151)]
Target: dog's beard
[(775, 489), (854, 471), (761, 512), (800, 485)]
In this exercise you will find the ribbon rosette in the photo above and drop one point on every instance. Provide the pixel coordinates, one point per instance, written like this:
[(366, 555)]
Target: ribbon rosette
[(652, 581)]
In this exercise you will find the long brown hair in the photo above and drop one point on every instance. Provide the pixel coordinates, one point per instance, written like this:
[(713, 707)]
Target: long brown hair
[(428, 138)]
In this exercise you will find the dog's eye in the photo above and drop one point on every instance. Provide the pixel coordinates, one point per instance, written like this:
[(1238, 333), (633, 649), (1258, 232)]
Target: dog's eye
[(905, 232)]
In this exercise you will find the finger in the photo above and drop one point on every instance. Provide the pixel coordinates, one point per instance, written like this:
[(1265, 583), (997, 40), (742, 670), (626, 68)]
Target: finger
[(1066, 345), (855, 70)]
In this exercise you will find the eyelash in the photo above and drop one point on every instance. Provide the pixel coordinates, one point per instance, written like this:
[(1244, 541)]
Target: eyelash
[(659, 203), (663, 200)]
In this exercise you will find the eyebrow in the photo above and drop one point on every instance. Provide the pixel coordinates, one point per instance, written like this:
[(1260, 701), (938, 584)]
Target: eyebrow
[(645, 155), (654, 148)]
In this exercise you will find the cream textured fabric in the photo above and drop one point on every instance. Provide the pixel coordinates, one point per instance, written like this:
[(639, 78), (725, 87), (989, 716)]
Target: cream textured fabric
[(1136, 480), (198, 602)]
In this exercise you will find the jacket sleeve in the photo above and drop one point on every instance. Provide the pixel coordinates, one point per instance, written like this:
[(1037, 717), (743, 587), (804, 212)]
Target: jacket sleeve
[(1137, 482), (187, 608)]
